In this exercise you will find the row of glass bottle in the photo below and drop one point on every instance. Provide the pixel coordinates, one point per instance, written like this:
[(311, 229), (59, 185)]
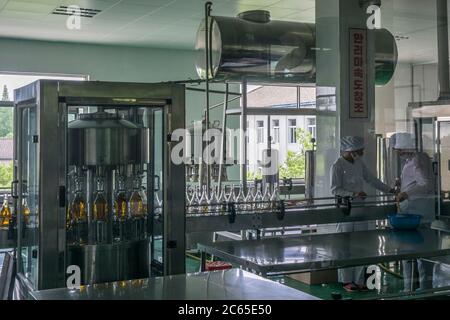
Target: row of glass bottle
[(200, 201), (123, 211), (6, 216)]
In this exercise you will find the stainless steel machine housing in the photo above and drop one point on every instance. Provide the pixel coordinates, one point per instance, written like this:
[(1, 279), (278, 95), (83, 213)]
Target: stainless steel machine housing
[(118, 142)]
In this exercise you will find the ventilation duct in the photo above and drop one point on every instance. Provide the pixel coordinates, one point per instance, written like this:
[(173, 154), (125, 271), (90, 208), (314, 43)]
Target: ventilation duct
[(441, 107), (254, 46)]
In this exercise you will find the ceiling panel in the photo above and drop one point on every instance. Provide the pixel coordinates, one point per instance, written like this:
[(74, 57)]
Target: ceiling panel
[(174, 23)]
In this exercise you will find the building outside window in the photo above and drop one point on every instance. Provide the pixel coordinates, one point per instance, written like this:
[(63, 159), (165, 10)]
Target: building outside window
[(275, 131), (292, 130), (8, 83), (311, 126), (247, 135), (260, 131)]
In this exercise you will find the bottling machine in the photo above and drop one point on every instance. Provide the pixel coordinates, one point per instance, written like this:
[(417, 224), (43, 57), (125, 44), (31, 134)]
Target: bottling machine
[(92, 163)]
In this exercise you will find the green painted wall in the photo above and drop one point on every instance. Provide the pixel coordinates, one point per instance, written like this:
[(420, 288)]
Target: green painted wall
[(111, 63)]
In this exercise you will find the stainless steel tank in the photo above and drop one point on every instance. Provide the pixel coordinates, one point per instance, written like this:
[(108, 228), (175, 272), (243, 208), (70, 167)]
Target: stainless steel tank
[(261, 49), (101, 139), (253, 45), (111, 262)]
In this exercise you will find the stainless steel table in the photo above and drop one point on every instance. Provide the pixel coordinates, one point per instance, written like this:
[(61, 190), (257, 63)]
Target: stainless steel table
[(234, 284), (320, 252)]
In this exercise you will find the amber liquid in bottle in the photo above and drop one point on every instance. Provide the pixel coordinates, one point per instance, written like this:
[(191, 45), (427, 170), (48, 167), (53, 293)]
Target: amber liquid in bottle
[(136, 203), (5, 213), (100, 207), (78, 208), (120, 207), (25, 212)]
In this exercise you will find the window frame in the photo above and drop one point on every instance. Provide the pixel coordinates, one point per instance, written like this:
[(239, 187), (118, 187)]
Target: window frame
[(260, 131), (292, 131)]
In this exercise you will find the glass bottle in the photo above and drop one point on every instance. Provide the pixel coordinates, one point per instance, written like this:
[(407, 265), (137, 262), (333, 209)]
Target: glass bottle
[(213, 200), (120, 202), (5, 213), (195, 201), (78, 206), (158, 204), (257, 200), (136, 204), (222, 201), (76, 221), (228, 194), (143, 194), (100, 209), (266, 198), (250, 198), (203, 202), (25, 212), (240, 198), (275, 198)]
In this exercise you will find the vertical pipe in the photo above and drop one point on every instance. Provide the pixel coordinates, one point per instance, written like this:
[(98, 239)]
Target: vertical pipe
[(243, 134), (18, 207), (268, 180), (207, 49), (438, 149), (443, 55), (224, 135)]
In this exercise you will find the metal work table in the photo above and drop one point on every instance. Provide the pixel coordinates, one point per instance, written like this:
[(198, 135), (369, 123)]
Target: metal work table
[(234, 284), (330, 251)]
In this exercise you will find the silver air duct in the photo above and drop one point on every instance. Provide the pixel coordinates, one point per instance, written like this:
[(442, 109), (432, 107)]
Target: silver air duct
[(261, 49)]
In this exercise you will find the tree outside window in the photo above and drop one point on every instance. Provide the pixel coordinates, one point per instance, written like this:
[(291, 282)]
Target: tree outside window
[(294, 166)]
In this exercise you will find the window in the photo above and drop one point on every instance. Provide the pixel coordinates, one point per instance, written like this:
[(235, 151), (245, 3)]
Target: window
[(247, 137), (292, 131), (260, 131), (275, 131), (311, 126), (8, 83)]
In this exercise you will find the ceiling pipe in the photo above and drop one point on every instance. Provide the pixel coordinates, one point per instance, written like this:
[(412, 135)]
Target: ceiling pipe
[(443, 51)]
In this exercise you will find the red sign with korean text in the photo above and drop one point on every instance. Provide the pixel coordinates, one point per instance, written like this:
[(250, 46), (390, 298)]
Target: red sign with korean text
[(358, 74)]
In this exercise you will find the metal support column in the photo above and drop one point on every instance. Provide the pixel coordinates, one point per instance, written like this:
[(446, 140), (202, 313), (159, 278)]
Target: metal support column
[(207, 60), (223, 147), (243, 127)]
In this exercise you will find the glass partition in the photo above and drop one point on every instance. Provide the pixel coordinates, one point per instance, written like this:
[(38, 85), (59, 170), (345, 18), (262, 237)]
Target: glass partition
[(28, 194)]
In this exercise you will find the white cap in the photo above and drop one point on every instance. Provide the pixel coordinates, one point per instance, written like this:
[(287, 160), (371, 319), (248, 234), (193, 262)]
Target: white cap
[(404, 141), (351, 143)]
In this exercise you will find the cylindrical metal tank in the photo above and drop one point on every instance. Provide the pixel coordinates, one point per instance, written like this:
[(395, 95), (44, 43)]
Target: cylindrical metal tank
[(257, 47), (101, 139), (111, 262), (252, 45), (386, 56)]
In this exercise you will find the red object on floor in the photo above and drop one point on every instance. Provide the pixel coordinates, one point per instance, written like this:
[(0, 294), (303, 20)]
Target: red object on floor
[(217, 265)]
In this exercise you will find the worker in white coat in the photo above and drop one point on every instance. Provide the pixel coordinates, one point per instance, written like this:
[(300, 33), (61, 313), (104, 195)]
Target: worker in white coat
[(416, 197), (348, 175)]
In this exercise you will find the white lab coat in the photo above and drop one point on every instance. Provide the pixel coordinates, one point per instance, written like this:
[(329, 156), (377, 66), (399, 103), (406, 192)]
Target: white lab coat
[(417, 180), (347, 179)]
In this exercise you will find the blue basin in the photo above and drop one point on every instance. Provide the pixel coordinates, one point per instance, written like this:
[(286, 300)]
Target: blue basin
[(400, 221)]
